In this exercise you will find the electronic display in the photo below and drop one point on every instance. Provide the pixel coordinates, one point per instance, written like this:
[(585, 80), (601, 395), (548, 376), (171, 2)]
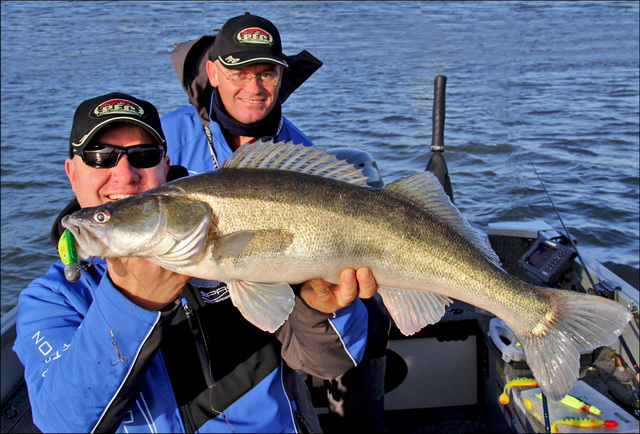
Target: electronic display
[(547, 260)]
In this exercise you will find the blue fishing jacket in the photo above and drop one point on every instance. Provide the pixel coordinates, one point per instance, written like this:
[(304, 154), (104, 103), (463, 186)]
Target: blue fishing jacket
[(95, 361), (187, 143)]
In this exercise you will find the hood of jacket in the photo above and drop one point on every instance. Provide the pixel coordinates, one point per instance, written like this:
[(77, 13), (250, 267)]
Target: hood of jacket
[(189, 61)]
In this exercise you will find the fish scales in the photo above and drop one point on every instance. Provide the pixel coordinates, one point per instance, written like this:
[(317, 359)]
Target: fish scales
[(278, 213), (406, 245), (387, 236)]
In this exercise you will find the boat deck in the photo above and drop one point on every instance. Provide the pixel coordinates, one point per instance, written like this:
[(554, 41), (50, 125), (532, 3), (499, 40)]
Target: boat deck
[(16, 413), (462, 419), (16, 418)]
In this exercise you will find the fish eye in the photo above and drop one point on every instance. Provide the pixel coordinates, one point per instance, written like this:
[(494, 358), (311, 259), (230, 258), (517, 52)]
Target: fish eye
[(102, 216)]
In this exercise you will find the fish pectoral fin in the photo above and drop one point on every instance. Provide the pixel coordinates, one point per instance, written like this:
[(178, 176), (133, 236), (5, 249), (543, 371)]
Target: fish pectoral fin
[(265, 305), (232, 244), (261, 240), (412, 310)]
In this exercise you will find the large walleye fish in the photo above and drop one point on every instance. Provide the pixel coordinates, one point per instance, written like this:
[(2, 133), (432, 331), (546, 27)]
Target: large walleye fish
[(277, 214)]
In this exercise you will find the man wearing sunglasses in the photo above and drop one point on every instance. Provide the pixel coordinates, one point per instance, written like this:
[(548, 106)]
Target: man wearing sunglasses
[(131, 347), (236, 82), (116, 149)]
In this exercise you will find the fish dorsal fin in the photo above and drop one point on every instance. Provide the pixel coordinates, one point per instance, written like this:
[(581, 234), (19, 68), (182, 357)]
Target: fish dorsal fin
[(295, 158), (425, 190)]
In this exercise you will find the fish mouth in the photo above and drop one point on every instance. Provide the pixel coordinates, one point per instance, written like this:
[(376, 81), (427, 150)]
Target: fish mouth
[(88, 245)]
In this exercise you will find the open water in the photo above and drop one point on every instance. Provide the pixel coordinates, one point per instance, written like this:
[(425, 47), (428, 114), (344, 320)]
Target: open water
[(551, 83)]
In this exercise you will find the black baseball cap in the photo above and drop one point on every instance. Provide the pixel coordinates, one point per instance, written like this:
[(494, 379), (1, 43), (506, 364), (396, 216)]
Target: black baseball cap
[(94, 114), (247, 39)]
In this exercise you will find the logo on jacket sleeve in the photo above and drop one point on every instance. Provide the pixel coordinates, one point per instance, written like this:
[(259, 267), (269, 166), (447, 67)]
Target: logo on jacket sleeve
[(254, 35), (211, 291)]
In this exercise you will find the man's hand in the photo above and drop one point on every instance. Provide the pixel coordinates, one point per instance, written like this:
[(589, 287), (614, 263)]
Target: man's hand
[(328, 297), (146, 284)]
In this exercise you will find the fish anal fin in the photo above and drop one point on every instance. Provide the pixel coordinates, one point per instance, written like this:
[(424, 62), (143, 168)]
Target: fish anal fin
[(265, 305), (412, 310)]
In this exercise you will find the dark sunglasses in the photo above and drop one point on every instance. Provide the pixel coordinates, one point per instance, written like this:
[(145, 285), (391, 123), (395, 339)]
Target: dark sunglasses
[(101, 156)]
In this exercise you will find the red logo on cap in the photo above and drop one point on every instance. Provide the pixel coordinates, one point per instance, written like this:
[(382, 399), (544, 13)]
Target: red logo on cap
[(118, 106), (254, 35)]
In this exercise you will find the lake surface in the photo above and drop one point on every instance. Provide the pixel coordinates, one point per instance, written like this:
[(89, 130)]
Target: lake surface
[(550, 83)]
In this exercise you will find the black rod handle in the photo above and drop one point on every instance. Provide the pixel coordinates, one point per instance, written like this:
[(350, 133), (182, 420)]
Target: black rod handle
[(437, 165), (439, 88)]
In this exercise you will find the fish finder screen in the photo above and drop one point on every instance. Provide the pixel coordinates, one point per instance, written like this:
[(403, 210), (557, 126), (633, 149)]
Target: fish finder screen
[(540, 256), (546, 261)]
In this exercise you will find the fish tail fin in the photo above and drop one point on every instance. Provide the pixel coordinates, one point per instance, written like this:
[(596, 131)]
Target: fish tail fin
[(581, 323)]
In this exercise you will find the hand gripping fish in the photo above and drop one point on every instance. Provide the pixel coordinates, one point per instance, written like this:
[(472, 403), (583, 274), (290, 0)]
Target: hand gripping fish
[(278, 213)]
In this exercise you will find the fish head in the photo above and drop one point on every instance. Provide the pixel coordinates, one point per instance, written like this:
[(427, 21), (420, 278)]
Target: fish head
[(145, 225)]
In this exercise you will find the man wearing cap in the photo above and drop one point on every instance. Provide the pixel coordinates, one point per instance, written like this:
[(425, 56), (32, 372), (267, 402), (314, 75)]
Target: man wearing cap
[(130, 346), (236, 82)]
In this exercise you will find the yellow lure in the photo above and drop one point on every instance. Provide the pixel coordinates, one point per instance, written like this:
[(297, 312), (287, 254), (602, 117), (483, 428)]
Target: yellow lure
[(516, 382), (583, 423), (573, 402)]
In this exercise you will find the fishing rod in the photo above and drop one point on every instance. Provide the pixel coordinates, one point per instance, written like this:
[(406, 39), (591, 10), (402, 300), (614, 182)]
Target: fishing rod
[(436, 163), (566, 231), (545, 405), (586, 270)]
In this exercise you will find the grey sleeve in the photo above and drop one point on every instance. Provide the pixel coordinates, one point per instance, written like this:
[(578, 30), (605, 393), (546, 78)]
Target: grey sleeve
[(311, 344)]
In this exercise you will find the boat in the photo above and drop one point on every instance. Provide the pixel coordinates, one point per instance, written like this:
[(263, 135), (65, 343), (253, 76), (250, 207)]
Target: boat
[(453, 376)]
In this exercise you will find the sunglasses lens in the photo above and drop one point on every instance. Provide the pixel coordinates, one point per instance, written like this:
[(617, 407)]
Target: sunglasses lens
[(100, 159), (140, 157)]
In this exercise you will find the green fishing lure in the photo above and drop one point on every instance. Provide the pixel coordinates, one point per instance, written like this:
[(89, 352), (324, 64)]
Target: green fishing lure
[(68, 250)]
